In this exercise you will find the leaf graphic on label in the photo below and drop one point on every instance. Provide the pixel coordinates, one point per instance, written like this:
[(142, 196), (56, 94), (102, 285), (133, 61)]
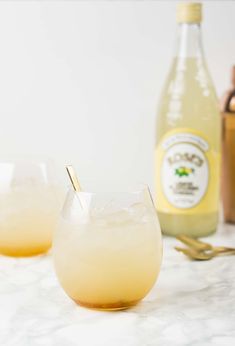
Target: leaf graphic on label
[(184, 171)]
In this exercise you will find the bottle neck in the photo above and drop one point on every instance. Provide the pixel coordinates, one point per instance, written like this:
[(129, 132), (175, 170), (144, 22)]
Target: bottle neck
[(189, 41)]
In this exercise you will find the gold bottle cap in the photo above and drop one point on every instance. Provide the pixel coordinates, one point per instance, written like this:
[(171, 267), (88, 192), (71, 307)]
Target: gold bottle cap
[(189, 12)]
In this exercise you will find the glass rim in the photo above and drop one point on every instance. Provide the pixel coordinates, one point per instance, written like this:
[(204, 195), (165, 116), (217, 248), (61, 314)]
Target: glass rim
[(138, 188), (26, 158)]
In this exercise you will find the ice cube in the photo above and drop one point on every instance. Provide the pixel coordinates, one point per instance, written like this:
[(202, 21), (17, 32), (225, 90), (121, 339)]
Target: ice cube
[(117, 218), (137, 212)]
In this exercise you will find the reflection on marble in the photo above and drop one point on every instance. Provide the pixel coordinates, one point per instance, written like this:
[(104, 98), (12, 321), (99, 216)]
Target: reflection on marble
[(192, 304)]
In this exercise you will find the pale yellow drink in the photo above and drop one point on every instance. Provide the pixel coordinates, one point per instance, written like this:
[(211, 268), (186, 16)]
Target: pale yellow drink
[(109, 261), (188, 138), (27, 220)]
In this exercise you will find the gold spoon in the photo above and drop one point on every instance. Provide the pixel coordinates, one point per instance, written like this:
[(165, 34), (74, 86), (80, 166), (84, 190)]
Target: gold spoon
[(194, 254), (194, 243), (203, 255), (203, 246)]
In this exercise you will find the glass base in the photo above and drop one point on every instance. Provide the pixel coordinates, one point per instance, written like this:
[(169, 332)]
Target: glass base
[(107, 306), (23, 252)]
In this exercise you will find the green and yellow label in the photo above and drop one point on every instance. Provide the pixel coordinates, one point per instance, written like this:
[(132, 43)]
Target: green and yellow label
[(187, 173)]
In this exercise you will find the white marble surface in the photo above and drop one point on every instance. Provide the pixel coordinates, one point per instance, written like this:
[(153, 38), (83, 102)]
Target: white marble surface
[(192, 304)]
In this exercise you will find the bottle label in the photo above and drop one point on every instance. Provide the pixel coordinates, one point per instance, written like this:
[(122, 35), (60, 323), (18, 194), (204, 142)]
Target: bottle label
[(187, 173)]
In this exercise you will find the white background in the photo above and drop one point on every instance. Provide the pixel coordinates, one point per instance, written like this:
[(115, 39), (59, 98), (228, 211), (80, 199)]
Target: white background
[(80, 80)]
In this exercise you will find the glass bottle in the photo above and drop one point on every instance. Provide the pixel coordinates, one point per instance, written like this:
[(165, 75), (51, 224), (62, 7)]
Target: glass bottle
[(188, 137)]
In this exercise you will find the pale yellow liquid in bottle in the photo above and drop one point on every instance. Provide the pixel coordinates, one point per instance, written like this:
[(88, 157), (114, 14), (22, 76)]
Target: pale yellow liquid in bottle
[(189, 101)]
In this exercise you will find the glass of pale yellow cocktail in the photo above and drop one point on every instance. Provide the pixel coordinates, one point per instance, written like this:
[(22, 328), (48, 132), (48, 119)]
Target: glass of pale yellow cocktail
[(29, 206), (107, 249)]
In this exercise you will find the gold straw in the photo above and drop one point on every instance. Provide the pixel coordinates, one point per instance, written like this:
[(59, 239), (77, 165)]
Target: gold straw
[(75, 183), (73, 178)]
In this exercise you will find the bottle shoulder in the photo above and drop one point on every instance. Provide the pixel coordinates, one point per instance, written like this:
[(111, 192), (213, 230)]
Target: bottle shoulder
[(188, 76), (188, 93)]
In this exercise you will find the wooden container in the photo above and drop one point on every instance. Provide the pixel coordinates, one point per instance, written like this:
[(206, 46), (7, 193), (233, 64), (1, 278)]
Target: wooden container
[(228, 152)]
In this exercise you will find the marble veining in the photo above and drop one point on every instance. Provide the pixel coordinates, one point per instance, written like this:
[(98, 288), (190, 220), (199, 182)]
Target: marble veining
[(193, 304)]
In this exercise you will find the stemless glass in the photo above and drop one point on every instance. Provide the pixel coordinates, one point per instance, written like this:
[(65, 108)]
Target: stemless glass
[(107, 248), (29, 206)]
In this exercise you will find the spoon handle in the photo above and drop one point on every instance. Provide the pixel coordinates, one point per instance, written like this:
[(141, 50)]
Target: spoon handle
[(194, 243), (195, 254), (220, 251)]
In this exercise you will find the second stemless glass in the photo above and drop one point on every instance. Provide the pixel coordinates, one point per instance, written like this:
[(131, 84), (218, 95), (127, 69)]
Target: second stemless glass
[(107, 249), (29, 206)]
